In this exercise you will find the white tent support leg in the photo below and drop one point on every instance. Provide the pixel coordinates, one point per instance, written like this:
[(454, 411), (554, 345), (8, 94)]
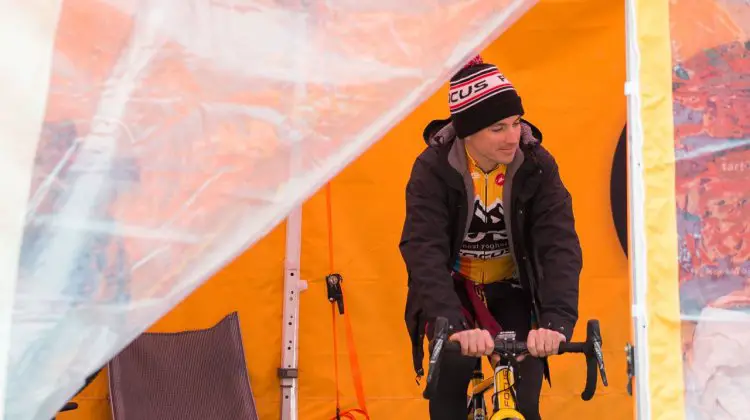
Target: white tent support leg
[(637, 253), (293, 286)]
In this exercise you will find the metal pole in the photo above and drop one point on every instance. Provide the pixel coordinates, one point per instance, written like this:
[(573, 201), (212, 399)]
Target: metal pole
[(293, 286), (637, 253)]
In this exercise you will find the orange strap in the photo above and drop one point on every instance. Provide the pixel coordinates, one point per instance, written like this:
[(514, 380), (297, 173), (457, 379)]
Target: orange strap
[(353, 359)]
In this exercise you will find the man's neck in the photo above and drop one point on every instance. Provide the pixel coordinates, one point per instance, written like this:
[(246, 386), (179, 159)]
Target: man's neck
[(484, 164), (487, 166)]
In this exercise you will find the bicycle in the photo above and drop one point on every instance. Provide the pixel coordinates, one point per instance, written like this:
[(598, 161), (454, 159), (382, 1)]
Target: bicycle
[(503, 380)]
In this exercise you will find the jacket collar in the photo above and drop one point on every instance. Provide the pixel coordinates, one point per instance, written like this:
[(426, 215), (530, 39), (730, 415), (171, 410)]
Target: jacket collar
[(440, 133)]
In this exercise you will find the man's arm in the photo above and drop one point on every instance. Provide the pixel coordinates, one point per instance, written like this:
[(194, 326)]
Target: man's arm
[(425, 246), (559, 251)]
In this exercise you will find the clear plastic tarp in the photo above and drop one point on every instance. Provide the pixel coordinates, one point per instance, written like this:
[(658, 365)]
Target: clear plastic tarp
[(711, 61), (175, 134)]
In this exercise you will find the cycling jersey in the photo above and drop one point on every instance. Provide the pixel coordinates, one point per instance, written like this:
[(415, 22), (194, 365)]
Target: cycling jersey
[(484, 256)]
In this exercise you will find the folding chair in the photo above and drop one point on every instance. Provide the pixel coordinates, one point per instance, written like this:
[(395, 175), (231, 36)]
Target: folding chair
[(191, 375)]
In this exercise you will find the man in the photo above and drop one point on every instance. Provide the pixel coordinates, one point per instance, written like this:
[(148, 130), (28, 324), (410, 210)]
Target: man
[(489, 239)]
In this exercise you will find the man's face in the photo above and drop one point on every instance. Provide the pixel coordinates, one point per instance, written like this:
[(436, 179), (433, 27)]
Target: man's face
[(496, 144)]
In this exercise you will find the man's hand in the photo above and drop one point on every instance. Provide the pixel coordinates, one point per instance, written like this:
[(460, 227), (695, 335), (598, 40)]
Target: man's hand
[(474, 343), (543, 342)]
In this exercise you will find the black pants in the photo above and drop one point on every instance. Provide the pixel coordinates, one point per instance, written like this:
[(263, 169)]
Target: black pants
[(512, 309)]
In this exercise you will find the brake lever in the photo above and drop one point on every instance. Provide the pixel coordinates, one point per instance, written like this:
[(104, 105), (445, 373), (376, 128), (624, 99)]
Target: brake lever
[(594, 360), (600, 362), (595, 335), (433, 374)]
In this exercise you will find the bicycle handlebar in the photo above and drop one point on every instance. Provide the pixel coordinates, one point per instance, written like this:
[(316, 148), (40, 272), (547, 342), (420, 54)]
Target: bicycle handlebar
[(509, 347), (591, 348)]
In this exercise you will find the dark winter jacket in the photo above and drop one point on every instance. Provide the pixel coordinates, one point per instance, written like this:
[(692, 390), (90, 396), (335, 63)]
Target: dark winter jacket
[(538, 210)]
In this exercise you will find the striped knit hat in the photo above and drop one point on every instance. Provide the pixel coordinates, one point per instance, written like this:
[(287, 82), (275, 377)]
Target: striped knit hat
[(481, 96)]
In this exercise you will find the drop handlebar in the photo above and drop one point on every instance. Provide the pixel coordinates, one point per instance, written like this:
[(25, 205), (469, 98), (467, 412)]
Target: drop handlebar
[(591, 348)]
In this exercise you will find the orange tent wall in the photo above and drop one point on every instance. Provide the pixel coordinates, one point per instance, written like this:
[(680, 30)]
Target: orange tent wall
[(567, 59)]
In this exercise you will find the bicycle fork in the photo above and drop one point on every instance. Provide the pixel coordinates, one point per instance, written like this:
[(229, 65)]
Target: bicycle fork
[(477, 408)]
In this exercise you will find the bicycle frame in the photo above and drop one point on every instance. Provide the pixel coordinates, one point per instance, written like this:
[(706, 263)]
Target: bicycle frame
[(504, 401), (477, 407)]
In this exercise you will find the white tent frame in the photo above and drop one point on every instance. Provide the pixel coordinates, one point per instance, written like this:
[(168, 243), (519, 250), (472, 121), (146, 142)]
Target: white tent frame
[(637, 205), (293, 286)]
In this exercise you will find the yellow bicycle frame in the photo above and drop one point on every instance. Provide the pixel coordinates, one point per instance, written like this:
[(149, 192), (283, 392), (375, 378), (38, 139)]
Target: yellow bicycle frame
[(504, 398), (477, 408), (504, 395)]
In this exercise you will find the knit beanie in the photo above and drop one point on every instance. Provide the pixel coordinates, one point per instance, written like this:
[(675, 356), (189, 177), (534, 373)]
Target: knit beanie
[(481, 96)]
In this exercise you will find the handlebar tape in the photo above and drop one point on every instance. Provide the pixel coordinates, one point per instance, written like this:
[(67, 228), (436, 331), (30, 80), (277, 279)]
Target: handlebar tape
[(593, 353), (518, 347), (590, 389), (452, 346)]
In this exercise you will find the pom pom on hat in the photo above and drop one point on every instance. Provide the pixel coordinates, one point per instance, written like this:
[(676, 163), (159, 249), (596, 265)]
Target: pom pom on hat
[(473, 62)]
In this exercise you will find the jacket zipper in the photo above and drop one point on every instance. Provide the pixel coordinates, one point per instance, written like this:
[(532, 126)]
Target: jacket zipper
[(486, 203)]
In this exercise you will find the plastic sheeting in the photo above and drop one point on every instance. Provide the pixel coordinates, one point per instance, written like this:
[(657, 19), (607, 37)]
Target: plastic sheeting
[(176, 134), (712, 143), (23, 77), (368, 215)]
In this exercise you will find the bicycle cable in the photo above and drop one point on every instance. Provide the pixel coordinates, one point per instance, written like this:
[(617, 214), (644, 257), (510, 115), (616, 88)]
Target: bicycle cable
[(511, 387)]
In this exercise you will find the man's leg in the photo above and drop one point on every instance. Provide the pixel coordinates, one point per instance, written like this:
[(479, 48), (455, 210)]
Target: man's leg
[(451, 399), (528, 386)]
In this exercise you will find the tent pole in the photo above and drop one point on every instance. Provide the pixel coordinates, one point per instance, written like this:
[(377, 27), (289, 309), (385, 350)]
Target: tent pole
[(636, 186), (293, 286)]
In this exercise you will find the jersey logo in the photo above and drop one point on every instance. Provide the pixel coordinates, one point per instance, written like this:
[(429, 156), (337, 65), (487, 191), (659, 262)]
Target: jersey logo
[(487, 237)]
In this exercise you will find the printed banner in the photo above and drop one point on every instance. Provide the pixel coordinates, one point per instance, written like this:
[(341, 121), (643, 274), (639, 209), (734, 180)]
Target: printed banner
[(711, 62)]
